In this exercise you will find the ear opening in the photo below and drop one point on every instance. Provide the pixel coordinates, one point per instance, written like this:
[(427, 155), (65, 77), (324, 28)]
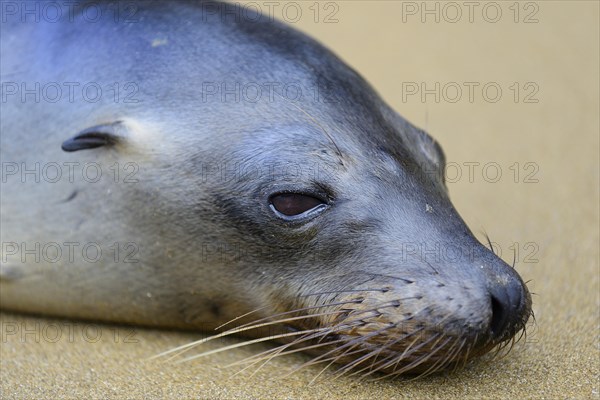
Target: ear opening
[(91, 138)]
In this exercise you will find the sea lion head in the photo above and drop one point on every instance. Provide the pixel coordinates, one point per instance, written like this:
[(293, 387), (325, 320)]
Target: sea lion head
[(325, 215)]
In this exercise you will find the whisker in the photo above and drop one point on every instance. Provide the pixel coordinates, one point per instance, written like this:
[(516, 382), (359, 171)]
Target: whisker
[(465, 358), (320, 357), (387, 304), (382, 363), (278, 350), (452, 352), (458, 360), (388, 345), (397, 359), (419, 361), (354, 348), (346, 368), (381, 348), (345, 291), (313, 380), (408, 348), (186, 347), (487, 237), (241, 316), (247, 343), (254, 325), (514, 256), (267, 354), (336, 358), (341, 303)]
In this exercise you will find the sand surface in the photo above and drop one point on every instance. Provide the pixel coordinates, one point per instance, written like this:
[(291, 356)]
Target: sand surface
[(549, 211)]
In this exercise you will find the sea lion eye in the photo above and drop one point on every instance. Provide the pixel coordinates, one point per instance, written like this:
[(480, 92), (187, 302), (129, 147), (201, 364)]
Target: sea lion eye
[(293, 204)]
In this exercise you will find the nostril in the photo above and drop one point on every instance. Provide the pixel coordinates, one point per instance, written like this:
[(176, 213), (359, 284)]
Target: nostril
[(507, 310), (508, 302), (499, 318)]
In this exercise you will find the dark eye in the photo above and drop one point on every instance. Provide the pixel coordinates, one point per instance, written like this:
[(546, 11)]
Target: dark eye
[(292, 204)]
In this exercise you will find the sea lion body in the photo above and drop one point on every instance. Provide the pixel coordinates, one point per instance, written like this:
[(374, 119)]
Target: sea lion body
[(192, 161)]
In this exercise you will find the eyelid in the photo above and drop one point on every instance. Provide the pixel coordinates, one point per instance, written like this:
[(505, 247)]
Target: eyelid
[(305, 215), (295, 206)]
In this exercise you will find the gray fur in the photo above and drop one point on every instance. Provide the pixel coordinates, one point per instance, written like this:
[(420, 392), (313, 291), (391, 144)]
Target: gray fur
[(382, 178)]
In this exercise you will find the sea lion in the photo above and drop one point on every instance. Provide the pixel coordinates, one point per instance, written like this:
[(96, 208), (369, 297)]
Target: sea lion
[(188, 163)]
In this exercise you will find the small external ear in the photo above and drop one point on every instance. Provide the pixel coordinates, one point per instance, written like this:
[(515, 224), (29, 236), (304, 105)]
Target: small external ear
[(96, 136)]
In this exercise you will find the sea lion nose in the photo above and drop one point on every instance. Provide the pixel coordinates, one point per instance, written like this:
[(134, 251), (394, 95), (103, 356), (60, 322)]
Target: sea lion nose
[(508, 296)]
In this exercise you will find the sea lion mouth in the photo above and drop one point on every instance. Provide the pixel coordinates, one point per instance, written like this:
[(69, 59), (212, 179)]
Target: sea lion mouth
[(383, 339), (372, 333)]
